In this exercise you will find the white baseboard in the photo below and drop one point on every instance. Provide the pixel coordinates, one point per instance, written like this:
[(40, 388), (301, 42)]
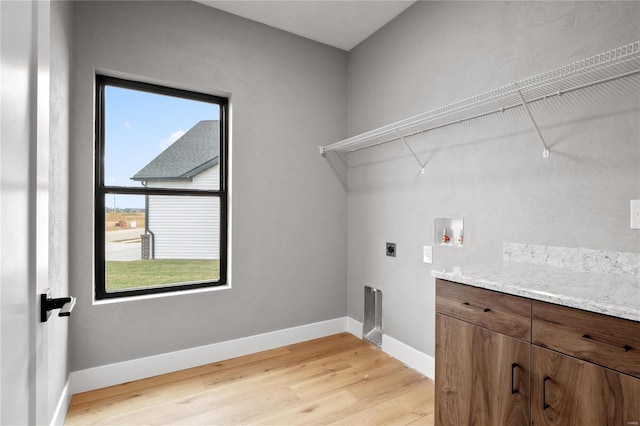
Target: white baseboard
[(354, 327), (63, 406), (412, 357), (415, 359), (141, 368)]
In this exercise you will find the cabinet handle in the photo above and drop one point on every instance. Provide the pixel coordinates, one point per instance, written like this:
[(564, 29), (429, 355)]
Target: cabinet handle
[(474, 308), (625, 348), (513, 367), (544, 393)]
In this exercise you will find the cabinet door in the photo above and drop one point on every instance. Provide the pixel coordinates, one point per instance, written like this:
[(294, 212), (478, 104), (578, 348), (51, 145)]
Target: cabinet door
[(568, 391), (482, 377)]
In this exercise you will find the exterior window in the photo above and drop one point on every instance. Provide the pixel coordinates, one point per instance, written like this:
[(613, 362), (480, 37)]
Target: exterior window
[(161, 189)]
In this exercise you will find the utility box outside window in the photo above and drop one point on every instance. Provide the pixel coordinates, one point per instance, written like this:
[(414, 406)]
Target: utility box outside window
[(372, 326)]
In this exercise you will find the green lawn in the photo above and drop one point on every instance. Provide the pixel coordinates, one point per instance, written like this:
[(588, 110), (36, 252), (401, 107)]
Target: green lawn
[(145, 273)]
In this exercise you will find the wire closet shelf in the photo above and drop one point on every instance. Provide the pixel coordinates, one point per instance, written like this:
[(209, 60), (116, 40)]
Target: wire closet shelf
[(613, 64)]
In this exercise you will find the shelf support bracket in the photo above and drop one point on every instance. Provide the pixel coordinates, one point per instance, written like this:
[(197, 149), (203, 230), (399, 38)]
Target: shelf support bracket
[(545, 152), (339, 170), (422, 166)]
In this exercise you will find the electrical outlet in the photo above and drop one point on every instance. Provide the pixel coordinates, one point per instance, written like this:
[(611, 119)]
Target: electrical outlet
[(427, 254), (635, 214), (391, 249)]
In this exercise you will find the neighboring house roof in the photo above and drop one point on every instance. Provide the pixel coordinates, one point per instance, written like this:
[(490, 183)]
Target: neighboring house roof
[(193, 153)]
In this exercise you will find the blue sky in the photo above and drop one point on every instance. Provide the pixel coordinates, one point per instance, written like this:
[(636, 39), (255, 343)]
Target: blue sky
[(138, 127)]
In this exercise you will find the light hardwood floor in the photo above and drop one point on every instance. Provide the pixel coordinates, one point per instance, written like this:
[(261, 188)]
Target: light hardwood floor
[(338, 379)]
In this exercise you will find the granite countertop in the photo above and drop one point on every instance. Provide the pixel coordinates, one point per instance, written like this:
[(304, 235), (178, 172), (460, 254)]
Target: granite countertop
[(615, 294)]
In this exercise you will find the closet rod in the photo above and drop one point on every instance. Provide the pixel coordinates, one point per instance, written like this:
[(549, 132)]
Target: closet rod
[(617, 63), (499, 110)]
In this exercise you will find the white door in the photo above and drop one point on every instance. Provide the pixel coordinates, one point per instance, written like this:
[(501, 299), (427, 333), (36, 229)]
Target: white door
[(24, 177)]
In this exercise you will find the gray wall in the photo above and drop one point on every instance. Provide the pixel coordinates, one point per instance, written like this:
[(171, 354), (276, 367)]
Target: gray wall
[(489, 171), (288, 95), (60, 111)]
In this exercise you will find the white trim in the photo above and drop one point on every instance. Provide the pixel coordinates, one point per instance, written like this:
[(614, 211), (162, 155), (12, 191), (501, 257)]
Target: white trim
[(354, 327), (159, 295), (60, 414), (412, 357), (136, 369), (415, 359)]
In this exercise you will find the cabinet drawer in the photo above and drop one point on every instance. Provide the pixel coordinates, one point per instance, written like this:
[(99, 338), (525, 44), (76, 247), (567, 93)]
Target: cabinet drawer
[(506, 314), (608, 341)]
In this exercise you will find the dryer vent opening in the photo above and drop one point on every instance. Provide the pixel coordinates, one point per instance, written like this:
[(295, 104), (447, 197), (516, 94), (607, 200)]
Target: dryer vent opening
[(372, 326)]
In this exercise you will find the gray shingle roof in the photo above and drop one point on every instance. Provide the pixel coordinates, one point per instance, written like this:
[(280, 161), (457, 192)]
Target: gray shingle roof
[(195, 151)]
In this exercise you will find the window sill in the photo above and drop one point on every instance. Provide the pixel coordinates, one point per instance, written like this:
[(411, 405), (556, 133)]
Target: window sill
[(160, 295)]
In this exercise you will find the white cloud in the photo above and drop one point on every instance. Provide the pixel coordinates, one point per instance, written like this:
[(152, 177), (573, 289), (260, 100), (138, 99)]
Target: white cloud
[(128, 125), (166, 143)]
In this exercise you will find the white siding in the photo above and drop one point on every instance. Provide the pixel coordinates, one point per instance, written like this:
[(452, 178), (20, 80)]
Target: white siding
[(209, 179), (186, 227)]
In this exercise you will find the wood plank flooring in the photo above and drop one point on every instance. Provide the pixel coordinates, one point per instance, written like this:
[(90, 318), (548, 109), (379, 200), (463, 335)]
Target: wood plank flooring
[(338, 379)]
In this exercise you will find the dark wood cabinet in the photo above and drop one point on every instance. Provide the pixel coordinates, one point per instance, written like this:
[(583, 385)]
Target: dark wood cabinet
[(568, 391), (611, 342), (483, 376), (569, 367), (506, 314)]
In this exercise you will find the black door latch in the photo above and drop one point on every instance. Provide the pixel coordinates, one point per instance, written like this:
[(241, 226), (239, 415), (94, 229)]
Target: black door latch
[(47, 304)]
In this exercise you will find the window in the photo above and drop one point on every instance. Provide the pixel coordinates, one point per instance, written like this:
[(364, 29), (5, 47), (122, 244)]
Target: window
[(160, 189)]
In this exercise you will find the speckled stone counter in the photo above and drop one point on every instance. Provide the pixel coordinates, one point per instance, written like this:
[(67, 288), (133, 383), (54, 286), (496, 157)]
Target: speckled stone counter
[(615, 292)]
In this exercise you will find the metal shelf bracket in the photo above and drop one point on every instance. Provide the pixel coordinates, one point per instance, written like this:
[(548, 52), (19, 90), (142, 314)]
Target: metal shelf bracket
[(422, 166), (545, 151)]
